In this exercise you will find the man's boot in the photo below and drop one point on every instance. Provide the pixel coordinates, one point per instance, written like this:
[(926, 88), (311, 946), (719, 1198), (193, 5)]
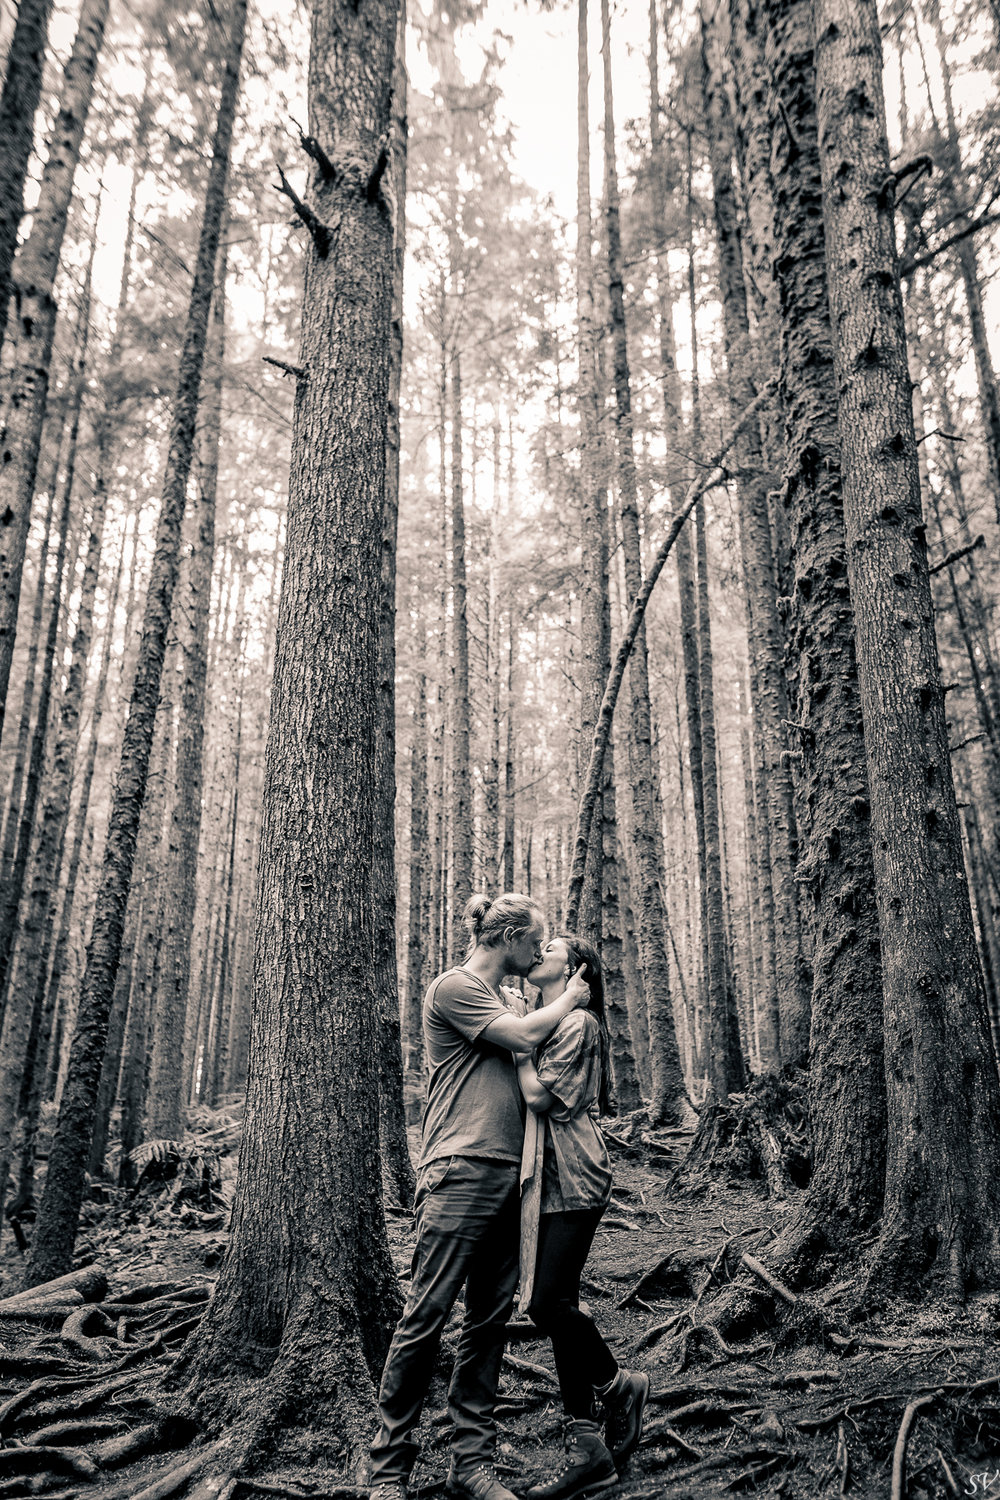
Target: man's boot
[(587, 1469), (624, 1402), (480, 1483)]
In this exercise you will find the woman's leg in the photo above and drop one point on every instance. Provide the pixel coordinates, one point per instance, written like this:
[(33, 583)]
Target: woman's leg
[(582, 1358)]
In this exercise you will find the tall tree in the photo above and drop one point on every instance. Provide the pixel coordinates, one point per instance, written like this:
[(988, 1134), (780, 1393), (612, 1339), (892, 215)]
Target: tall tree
[(164, 1115), (307, 1285), (941, 1216), (835, 864), (34, 329), (392, 1119), (55, 1230), (648, 898), (783, 1006)]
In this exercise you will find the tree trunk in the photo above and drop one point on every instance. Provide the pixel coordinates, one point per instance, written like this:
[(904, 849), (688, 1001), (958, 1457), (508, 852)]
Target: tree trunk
[(784, 1003), (665, 1062), (460, 807), (416, 952), (594, 612), (165, 1099), (12, 817), (17, 1005), (396, 1164), (835, 864), (623, 1049), (55, 1230), (22, 89), (941, 1220), (965, 255), (307, 1292), (33, 284), (61, 949), (37, 915), (509, 786)]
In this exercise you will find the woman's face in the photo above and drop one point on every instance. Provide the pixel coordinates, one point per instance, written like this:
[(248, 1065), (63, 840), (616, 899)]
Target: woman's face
[(555, 964)]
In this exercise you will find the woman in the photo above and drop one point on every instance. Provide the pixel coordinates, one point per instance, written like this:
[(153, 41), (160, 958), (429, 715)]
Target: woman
[(565, 1188)]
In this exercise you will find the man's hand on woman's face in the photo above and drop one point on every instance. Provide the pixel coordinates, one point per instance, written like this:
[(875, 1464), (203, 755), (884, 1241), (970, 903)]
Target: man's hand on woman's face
[(578, 989)]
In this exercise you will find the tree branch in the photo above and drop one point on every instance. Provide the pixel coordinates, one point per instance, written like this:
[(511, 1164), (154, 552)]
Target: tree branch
[(312, 147), (958, 554), (279, 364), (602, 732), (907, 267), (318, 230)]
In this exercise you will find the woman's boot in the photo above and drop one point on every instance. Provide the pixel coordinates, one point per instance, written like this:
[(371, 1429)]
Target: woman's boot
[(586, 1470)]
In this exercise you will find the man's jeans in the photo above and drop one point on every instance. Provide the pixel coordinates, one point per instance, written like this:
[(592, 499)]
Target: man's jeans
[(468, 1226)]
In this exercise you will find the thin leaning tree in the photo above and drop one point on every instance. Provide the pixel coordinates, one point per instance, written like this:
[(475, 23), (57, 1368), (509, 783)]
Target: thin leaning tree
[(298, 1329)]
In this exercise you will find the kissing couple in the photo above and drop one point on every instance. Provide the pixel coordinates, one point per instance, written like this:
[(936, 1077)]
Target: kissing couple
[(512, 1181)]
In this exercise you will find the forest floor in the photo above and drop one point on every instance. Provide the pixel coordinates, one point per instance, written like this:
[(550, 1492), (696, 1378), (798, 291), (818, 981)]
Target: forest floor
[(905, 1405)]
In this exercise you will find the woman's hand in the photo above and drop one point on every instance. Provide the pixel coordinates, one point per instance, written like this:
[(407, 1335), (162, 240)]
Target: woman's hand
[(578, 989)]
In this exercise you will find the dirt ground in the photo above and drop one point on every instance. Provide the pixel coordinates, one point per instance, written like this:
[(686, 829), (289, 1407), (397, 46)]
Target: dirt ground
[(810, 1406)]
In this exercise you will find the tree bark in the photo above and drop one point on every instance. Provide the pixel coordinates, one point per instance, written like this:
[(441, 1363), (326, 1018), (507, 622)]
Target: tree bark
[(835, 864), (784, 1002), (460, 807), (22, 89), (594, 610), (165, 1097), (33, 286), (396, 1164), (648, 899), (941, 1219), (307, 1292), (37, 915), (17, 1006), (55, 1230)]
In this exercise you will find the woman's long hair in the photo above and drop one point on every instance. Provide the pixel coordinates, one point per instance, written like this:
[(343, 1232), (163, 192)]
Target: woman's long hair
[(582, 952)]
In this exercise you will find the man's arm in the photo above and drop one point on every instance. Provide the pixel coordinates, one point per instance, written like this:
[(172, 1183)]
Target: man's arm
[(524, 1033)]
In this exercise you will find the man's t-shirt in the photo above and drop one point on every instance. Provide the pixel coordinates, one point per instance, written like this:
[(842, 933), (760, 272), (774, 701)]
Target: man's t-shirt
[(474, 1105)]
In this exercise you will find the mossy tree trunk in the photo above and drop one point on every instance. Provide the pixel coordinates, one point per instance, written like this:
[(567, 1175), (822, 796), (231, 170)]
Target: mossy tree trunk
[(941, 1216)]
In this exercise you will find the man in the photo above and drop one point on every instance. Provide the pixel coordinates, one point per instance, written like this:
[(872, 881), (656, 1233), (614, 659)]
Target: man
[(467, 1200)]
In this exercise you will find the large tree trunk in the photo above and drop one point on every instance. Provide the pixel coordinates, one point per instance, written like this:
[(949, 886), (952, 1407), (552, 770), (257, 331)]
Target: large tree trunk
[(33, 285), (648, 898), (835, 867), (55, 1230), (307, 1292), (941, 1220), (22, 89)]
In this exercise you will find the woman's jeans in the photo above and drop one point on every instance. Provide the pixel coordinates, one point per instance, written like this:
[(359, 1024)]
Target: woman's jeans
[(583, 1359), (468, 1225)]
